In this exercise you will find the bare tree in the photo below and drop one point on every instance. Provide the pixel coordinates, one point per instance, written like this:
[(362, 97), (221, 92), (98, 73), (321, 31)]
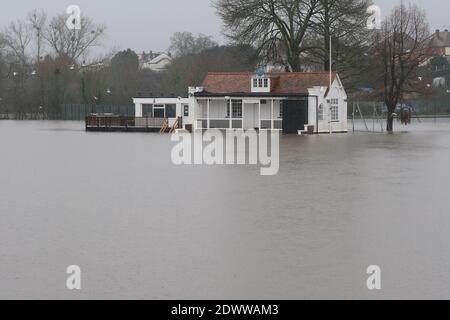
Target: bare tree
[(38, 22), (345, 22), (17, 38), (41, 63), (185, 43), (73, 43), (400, 48), (276, 27)]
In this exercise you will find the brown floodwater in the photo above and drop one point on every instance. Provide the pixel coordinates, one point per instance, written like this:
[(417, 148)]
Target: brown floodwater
[(141, 228)]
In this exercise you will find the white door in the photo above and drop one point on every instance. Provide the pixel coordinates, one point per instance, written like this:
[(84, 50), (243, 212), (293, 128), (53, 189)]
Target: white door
[(250, 116)]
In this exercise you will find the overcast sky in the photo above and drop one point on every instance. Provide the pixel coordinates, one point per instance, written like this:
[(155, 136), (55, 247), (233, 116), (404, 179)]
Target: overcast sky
[(148, 24)]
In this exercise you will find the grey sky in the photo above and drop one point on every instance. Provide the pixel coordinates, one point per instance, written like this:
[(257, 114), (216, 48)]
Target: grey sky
[(148, 24)]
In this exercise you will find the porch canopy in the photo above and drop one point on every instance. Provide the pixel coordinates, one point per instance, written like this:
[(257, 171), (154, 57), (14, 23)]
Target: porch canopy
[(238, 112)]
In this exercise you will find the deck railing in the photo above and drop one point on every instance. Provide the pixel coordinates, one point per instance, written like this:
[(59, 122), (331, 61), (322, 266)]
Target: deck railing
[(236, 124), (146, 122), (267, 124), (109, 121), (219, 123)]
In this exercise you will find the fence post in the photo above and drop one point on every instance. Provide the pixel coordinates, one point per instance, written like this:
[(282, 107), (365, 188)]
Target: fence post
[(353, 117)]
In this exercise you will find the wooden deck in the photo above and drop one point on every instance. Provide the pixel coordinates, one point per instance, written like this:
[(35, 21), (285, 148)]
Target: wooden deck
[(112, 123)]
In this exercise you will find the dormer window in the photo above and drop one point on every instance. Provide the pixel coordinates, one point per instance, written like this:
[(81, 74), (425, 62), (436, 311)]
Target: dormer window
[(260, 84)]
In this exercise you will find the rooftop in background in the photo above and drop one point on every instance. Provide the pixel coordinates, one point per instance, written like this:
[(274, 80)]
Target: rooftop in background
[(440, 39), (155, 61), (156, 95)]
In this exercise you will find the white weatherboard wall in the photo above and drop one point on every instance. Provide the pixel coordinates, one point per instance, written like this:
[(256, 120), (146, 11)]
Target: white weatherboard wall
[(337, 92), (218, 108), (179, 102)]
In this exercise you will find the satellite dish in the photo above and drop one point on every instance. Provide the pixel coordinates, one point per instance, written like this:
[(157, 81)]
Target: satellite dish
[(260, 72)]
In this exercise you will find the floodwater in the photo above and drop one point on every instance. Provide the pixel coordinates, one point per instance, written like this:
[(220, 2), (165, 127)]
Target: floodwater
[(141, 228)]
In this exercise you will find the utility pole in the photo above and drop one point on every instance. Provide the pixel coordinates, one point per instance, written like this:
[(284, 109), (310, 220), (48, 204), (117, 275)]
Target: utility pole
[(329, 91)]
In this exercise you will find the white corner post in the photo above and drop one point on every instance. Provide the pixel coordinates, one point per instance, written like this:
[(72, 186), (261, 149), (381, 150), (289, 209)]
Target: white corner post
[(209, 114), (243, 114), (230, 106), (331, 118), (138, 110), (329, 90), (271, 116), (259, 115)]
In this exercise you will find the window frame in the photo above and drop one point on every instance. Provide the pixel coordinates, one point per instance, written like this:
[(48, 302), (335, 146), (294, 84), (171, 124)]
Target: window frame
[(159, 108), (173, 110), (236, 109), (147, 110), (334, 110), (260, 83)]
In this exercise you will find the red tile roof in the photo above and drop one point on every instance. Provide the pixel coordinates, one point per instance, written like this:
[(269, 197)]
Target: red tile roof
[(288, 83)]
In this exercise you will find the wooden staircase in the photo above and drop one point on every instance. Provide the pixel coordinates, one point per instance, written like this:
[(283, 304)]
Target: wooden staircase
[(167, 129), (165, 126), (175, 126)]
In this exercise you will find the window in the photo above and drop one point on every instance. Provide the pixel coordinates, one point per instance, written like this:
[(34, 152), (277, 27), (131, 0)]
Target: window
[(320, 114), (147, 110), (334, 109), (186, 110), (236, 106), (260, 83), (281, 111), (159, 111), (171, 111)]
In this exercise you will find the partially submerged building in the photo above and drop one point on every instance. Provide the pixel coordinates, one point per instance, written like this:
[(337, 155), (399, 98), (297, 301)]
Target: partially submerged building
[(290, 102)]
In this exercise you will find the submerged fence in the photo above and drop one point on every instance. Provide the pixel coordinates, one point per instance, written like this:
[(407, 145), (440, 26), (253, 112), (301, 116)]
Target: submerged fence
[(423, 107), (371, 116), (78, 112)]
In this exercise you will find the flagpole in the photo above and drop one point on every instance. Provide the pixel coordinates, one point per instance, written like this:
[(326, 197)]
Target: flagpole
[(329, 90)]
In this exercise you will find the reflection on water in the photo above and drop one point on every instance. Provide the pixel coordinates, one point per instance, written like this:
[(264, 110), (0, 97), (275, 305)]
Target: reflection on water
[(140, 227)]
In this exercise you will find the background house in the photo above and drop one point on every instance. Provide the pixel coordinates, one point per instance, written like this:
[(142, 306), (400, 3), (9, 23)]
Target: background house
[(155, 61), (440, 44)]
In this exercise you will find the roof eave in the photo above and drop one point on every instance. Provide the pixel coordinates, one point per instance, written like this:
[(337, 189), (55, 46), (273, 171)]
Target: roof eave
[(249, 95)]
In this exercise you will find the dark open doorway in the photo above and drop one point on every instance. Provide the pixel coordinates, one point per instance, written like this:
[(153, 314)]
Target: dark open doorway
[(295, 115)]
